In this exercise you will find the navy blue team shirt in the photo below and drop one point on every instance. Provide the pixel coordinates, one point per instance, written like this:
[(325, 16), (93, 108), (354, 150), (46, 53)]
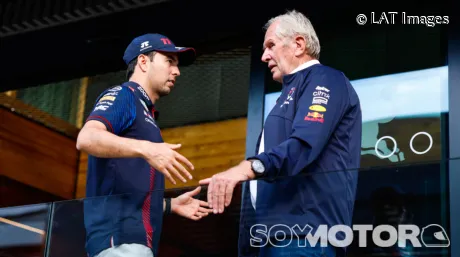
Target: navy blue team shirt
[(312, 139), (124, 195)]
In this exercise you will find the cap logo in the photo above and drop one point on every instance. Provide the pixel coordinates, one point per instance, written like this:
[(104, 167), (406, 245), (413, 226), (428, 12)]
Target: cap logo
[(166, 41), (145, 45)]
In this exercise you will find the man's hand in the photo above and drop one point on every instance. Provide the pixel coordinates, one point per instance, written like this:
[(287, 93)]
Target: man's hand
[(187, 206), (164, 158), (221, 185)]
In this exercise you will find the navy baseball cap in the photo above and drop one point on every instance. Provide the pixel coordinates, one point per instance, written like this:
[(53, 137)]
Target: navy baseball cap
[(159, 43)]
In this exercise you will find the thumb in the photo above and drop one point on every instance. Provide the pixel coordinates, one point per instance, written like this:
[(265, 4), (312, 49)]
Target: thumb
[(173, 146), (205, 181), (195, 191)]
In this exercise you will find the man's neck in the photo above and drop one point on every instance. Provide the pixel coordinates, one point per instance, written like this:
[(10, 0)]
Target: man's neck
[(299, 62), (304, 65)]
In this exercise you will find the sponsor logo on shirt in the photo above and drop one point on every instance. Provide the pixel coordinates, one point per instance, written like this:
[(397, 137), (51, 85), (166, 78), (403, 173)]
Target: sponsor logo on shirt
[(148, 115), (106, 103), (317, 108), (117, 88), (150, 119), (143, 92), (107, 98), (151, 122), (145, 105), (101, 107), (111, 93), (289, 97), (319, 100), (321, 94), (315, 117), (320, 88)]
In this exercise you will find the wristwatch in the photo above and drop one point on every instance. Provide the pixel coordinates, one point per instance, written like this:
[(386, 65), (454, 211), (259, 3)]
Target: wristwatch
[(257, 166)]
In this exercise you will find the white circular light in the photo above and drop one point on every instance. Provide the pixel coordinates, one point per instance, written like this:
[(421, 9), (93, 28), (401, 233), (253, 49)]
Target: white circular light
[(394, 148)]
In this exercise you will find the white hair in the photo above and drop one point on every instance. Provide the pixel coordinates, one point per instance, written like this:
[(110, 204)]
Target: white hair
[(294, 23)]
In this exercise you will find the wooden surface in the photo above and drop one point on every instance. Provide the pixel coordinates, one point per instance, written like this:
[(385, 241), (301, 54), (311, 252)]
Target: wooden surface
[(30, 112), (211, 147), (37, 156), (81, 176)]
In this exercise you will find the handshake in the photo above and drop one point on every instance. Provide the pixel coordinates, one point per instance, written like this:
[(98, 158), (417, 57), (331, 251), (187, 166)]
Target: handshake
[(165, 159)]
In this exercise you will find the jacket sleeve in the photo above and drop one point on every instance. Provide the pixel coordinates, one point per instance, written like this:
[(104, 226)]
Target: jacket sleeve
[(320, 108), (116, 109)]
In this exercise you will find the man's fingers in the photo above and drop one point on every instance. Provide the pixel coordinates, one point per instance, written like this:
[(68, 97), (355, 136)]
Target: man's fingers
[(201, 214), (205, 181), (221, 196), (168, 176), (174, 172), (182, 159), (182, 169), (229, 194), (204, 210), (210, 188), (173, 146), (204, 204), (215, 194), (195, 217)]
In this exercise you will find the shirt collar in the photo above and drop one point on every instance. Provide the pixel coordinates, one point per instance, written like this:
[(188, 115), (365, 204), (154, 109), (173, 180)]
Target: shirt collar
[(140, 92), (305, 65), (142, 95)]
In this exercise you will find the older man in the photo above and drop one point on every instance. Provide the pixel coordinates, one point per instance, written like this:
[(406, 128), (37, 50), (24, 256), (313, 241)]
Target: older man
[(310, 143)]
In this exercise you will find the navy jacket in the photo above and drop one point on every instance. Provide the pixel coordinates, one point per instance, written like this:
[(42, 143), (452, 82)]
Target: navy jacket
[(312, 145), (124, 201)]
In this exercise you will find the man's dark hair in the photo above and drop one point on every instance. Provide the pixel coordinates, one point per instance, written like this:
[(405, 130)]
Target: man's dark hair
[(133, 63)]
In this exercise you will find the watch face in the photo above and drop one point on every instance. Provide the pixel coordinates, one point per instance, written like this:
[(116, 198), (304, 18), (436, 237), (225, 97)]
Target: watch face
[(258, 166)]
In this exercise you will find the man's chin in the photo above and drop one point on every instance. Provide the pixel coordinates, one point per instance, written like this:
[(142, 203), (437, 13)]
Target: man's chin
[(165, 92), (278, 78)]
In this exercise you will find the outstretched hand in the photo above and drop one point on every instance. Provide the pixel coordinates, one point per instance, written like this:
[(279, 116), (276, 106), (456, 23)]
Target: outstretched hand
[(221, 185), (187, 206), (164, 158)]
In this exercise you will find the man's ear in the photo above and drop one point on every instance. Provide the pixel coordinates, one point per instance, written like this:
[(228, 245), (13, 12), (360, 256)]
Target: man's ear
[(142, 62), (301, 45)]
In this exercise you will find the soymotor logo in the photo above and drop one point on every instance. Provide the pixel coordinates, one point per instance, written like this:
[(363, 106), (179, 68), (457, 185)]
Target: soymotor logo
[(432, 235)]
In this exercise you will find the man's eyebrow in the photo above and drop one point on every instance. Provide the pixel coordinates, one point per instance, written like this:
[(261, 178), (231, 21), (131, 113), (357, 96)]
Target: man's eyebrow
[(265, 43), (174, 57)]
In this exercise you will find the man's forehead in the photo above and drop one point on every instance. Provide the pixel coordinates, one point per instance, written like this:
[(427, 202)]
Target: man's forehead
[(270, 33), (268, 39), (170, 55), (271, 29)]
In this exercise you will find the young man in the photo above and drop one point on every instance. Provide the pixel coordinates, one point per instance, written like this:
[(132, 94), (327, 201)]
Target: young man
[(310, 142), (128, 159)]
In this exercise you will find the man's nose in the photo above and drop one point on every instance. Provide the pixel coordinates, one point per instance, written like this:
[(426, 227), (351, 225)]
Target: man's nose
[(265, 57), (176, 71)]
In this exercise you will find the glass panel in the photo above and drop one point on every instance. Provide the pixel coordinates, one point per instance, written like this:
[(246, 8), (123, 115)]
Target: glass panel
[(412, 195), (23, 230), (401, 116), (401, 197)]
